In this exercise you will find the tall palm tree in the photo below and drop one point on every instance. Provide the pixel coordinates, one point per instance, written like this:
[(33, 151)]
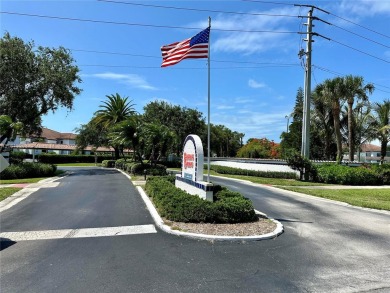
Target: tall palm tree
[(113, 111), (382, 125), (331, 90), (116, 109), (353, 86)]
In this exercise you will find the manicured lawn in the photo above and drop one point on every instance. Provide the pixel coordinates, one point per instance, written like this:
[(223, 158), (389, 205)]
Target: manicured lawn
[(78, 165), (7, 191), (368, 198)]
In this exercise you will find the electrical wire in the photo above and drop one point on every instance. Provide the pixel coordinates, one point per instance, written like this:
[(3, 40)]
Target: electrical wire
[(197, 9), (159, 57), (141, 24), (341, 74), (359, 25)]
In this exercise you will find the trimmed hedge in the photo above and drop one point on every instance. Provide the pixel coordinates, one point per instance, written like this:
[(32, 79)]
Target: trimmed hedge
[(108, 163), (28, 170), (177, 205), (62, 159), (244, 172), (338, 174)]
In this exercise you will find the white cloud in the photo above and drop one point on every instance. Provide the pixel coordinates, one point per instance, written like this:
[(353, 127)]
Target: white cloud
[(224, 107), (132, 80), (253, 42), (365, 7), (256, 85)]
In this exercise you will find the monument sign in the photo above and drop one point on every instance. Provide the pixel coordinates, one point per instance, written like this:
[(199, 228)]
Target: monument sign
[(191, 177)]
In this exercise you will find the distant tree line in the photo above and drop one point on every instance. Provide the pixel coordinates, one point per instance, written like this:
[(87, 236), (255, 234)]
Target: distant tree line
[(342, 119), (153, 135)]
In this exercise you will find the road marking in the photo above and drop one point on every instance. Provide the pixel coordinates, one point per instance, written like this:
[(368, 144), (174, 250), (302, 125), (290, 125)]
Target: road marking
[(78, 233)]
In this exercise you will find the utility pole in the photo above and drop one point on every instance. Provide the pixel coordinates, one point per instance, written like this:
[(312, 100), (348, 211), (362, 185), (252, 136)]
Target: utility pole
[(305, 149)]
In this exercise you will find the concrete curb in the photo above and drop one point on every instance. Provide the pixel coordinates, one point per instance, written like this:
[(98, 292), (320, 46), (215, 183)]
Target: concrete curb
[(160, 223)]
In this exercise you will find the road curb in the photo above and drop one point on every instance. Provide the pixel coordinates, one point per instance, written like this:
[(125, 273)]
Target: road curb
[(160, 223)]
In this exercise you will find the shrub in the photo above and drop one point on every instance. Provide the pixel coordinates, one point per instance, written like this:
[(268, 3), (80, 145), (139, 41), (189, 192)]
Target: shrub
[(177, 205), (108, 163), (338, 174), (16, 157), (138, 169), (28, 170), (244, 172), (303, 165)]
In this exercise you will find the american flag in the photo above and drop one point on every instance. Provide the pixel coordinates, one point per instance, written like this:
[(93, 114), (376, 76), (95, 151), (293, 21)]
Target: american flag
[(195, 47)]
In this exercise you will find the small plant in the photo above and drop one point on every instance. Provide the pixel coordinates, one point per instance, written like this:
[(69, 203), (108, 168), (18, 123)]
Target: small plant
[(306, 169)]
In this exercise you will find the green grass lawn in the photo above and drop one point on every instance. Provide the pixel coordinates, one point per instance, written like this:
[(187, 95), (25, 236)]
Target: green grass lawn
[(368, 198), (7, 191), (78, 165)]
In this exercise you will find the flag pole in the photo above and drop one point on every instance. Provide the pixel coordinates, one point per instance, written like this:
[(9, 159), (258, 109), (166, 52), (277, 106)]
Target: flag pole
[(208, 109)]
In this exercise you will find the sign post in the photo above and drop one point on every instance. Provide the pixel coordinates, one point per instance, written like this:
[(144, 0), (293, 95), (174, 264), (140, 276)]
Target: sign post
[(191, 177)]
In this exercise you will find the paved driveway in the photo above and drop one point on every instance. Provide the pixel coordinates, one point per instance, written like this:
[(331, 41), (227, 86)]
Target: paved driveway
[(325, 248)]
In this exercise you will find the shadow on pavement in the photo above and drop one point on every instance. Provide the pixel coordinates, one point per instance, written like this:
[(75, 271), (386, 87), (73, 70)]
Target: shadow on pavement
[(5, 243)]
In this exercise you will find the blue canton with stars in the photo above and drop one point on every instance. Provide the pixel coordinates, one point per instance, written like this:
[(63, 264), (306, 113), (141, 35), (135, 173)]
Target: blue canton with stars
[(202, 37)]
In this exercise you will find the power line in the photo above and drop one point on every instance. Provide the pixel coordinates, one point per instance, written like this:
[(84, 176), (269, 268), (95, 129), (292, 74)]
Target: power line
[(186, 68), (363, 37), (269, 2), (359, 25), (197, 9), (341, 74), (141, 24), (358, 50), (159, 57)]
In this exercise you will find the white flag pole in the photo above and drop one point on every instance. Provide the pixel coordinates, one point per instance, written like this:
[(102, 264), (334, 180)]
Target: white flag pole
[(208, 110)]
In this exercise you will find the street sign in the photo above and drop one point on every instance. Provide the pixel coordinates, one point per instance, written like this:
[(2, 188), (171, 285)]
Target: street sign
[(3, 163)]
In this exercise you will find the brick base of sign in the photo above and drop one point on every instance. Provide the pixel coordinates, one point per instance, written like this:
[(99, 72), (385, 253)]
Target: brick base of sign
[(200, 188)]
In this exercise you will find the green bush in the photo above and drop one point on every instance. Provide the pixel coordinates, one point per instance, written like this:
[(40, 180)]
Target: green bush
[(28, 170), (244, 172), (108, 163), (338, 174), (16, 157), (138, 169), (177, 205)]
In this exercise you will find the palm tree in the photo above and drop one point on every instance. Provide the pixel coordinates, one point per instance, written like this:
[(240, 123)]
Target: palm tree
[(353, 86), (116, 109), (113, 111), (382, 125), (331, 90)]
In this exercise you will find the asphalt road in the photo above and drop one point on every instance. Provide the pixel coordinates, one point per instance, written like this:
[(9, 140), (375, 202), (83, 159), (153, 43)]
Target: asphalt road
[(325, 247)]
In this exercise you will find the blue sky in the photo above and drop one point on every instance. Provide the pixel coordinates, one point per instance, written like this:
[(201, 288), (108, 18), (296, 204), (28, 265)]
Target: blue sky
[(254, 75)]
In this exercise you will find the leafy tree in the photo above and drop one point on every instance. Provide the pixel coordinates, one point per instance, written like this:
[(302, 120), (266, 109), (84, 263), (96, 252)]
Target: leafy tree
[(381, 125), (91, 134), (224, 142), (181, 120), (260, 148), (35, 81), (10, 130), (353, 86)]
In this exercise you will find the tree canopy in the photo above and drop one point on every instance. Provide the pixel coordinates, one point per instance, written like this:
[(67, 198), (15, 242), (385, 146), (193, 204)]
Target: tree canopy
[(34, 81)]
